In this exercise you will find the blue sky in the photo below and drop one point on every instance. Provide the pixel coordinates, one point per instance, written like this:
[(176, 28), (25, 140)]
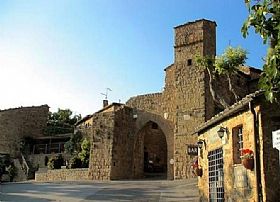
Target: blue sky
[(65, 53)]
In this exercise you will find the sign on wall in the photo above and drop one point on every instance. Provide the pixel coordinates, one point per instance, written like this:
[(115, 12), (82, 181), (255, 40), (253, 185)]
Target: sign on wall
[(192, 150), (240, 177), (276, 139)]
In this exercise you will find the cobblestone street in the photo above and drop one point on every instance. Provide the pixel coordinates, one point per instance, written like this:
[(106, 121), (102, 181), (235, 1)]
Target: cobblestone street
[(144, 190)]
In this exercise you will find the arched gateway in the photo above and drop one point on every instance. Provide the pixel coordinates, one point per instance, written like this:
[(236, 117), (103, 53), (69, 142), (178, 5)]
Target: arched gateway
[(153, 147), (128, 143)]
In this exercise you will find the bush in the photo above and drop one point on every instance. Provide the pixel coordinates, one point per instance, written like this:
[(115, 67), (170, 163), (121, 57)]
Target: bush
[(84, 154), (74, 144), (56, 162), (75, 162), (12, 171)]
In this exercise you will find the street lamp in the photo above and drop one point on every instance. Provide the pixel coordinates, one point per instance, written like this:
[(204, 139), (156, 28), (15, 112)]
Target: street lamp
[(221, 132)]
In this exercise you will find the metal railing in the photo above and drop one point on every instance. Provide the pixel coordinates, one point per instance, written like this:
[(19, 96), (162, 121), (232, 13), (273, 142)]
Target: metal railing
[(48, 148)]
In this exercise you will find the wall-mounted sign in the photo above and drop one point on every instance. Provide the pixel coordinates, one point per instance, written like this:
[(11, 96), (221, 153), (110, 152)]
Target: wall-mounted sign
[(192, 150), (276, 139), (240, 177)]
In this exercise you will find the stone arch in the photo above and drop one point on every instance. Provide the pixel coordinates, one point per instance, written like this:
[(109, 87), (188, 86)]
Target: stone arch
[(167, 128)]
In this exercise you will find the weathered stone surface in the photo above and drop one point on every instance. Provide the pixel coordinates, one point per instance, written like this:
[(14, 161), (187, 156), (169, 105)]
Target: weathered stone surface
[(186, 100), (18, 123), (184, 104), (77, 174), (240, 183)]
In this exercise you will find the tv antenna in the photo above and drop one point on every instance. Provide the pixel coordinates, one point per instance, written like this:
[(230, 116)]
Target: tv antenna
[(106, 94)]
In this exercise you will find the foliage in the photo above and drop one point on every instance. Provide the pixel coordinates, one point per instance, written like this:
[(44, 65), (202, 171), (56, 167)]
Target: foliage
[(80, 149), (85, 152), (61, 122), (12, 171), (65, 116), (205, 62), (75, 162), (264, 16), (226, 64), (56, 162), (230, 60), (6, 164), (247, 154), (74, 144)]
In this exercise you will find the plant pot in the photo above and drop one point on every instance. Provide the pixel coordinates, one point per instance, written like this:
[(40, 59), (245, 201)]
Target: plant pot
[(248, 163), (198, 172)]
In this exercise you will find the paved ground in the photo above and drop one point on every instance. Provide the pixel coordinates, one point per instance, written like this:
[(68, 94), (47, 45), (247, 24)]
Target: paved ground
[(145, 190)]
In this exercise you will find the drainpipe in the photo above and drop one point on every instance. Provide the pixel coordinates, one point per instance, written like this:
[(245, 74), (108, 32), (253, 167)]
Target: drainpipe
[(257, 153)]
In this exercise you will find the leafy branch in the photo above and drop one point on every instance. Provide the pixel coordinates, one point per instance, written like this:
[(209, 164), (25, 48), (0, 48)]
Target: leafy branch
[(264, 17)]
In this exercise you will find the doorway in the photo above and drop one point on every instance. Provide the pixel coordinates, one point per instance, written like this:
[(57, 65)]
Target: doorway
[(150, 153)]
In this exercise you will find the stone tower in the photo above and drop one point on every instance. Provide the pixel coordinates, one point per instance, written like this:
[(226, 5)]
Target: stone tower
[(194, 38), (188, 87), (185, 83), (171, 115)]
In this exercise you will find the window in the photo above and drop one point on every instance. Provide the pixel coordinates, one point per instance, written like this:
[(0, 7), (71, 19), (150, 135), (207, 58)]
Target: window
[(237, 140), (189, 62)]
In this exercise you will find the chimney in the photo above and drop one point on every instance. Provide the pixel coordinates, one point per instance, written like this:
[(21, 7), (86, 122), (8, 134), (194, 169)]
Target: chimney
[(105, 103)]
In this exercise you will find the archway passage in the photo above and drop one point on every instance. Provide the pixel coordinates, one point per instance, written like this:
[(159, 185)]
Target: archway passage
[(150, 152)]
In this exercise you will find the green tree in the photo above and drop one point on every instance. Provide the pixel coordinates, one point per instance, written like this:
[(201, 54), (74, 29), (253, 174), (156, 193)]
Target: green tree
[(227, 64), (61, 122), (84, 154), (74, 144), (264, 17)]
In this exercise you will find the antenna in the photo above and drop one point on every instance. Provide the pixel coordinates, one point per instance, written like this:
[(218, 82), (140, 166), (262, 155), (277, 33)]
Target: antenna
[(106, 94)]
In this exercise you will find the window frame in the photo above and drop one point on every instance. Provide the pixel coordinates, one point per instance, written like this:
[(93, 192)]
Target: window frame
[(237, 143)]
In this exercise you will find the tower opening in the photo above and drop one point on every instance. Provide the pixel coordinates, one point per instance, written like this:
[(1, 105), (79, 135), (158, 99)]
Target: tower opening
[(150, 153)]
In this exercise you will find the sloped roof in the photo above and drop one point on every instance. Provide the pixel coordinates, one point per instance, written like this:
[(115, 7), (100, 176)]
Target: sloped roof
[(238, 106), (83, 119), (101, 110)]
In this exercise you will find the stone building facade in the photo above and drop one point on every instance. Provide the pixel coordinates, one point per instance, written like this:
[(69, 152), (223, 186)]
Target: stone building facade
[(122, 134), (186, 100), (248, 124), (17, 123)]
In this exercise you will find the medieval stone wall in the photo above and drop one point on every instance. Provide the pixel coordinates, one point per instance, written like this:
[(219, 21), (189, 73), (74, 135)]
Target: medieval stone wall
[(269, 120), (101, 146), (150, 102), (169, 110), (123, 144), (240, 85), (77, 174), (18, 123), (186, 100)]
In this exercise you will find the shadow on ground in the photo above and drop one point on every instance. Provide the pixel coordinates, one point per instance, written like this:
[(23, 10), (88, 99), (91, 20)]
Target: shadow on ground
[(99, 191)]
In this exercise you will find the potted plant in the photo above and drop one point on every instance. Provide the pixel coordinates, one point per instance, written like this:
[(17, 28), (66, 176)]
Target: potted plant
[(197, 171), (247, 158)]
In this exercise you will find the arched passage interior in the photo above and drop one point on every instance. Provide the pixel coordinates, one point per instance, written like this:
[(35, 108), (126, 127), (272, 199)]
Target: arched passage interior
[(150, 152)]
